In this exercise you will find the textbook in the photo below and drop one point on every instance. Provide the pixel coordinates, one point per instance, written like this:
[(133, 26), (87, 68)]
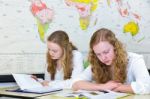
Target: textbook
[(93, 94), (27, 84), (111, 95)]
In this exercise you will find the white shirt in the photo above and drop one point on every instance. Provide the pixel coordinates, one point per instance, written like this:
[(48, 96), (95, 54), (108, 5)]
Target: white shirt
[(137, 74), (59, 76)]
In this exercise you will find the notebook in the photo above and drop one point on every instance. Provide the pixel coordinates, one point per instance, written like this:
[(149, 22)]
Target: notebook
[(93, 94), (111, 95), (27, 84)]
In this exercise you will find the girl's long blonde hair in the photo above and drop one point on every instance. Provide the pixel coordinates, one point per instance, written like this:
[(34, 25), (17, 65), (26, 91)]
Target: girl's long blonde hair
[(61, 38), (101, 72)]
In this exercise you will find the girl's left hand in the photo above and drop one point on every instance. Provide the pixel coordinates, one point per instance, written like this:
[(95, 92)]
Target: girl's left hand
[(124, 88)]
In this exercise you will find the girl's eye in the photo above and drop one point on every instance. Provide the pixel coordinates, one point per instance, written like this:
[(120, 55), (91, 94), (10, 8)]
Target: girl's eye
[(54, 51), (98, 54), (106, 52)]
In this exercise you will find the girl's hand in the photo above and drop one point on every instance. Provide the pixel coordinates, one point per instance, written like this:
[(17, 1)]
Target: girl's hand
[(34, 77), (110, 85), (45, 83), (124, 88)]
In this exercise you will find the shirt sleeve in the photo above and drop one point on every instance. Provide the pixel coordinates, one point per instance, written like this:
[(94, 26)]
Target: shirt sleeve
[(86, 75), (141, 85), (67, 84), (64, 84)]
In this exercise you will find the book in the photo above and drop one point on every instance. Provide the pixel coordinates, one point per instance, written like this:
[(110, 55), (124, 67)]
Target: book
[(93, 94), (110, 95), (28, 84), (79, 94), (4, 85)]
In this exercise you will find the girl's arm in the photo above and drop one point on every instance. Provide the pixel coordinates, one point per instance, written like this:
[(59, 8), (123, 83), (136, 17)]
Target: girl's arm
[(138, 77), (85, 85), (124, 88)]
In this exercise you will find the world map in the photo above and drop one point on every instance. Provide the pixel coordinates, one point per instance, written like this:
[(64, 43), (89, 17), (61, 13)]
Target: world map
[(85, 8)]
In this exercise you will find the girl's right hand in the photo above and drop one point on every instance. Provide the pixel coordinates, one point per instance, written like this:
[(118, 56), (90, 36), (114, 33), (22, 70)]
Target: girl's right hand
[(110, 85), (45, 83), (34, 77)]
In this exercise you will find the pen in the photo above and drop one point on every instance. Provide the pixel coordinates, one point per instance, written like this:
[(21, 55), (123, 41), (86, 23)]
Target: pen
[(104, 91)]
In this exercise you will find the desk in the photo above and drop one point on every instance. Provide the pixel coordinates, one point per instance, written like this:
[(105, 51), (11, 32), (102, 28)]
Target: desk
[(53, 96), (21, 95), (127, 97)]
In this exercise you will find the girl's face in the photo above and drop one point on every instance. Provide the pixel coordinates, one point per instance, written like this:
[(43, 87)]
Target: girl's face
[(105, 52), (54, 50)]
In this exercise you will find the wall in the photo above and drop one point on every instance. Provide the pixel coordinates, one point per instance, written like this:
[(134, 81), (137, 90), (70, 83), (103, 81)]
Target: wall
[(21, 46)]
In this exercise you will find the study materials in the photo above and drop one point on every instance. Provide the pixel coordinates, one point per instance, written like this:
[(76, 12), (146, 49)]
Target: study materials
[(80, 94), (28, 84), (7, 85), (93, 94), (110, 95)]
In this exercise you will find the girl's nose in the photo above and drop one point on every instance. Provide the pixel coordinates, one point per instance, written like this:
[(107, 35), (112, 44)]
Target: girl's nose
[(103, 57)]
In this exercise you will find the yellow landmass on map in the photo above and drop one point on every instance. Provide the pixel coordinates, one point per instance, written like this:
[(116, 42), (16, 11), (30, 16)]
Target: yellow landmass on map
[(131, 27), (83, 5)]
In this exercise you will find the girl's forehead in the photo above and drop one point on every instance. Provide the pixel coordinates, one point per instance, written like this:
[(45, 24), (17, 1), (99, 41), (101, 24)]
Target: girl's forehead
[(101, 46), (53, 44)]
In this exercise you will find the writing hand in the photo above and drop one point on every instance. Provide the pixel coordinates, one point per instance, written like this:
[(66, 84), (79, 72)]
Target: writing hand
[(34, 77), (45, 83)]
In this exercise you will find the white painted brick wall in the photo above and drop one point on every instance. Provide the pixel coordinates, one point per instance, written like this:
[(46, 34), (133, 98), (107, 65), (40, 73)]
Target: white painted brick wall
[(145, 54)]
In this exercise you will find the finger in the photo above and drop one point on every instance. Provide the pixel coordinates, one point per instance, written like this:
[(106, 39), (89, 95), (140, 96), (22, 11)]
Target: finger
[(34, 77), (115, 89), (43, 84)]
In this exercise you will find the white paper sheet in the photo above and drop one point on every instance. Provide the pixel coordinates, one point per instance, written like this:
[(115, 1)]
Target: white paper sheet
[(28, 84)]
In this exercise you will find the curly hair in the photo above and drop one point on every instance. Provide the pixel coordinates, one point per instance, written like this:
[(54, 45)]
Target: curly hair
[(61, 38), (100, 72)]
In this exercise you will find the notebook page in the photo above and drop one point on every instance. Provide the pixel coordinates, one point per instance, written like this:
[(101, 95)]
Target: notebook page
[(110, 95), (42, 89), (25, 81)]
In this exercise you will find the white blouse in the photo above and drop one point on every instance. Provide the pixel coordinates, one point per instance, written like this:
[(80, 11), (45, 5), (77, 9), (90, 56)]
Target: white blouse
[(77, 69), (137, 74)]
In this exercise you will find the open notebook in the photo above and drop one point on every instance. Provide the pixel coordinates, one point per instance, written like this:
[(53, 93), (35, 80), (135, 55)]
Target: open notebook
[(111, 95), (93, 94), (28, 84)]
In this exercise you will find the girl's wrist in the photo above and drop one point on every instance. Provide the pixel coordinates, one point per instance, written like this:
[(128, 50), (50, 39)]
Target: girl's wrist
[(40, 80), (101, 87)]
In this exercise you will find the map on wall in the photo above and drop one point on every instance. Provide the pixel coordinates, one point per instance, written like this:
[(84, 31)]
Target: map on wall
[(25, 25)]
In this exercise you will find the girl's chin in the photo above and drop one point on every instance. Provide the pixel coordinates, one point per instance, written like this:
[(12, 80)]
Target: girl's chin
[(54, 58), (108, 64)]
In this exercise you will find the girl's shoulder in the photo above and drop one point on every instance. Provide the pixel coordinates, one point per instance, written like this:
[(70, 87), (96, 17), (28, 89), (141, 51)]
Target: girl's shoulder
[(132, 55), (76, 52)]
